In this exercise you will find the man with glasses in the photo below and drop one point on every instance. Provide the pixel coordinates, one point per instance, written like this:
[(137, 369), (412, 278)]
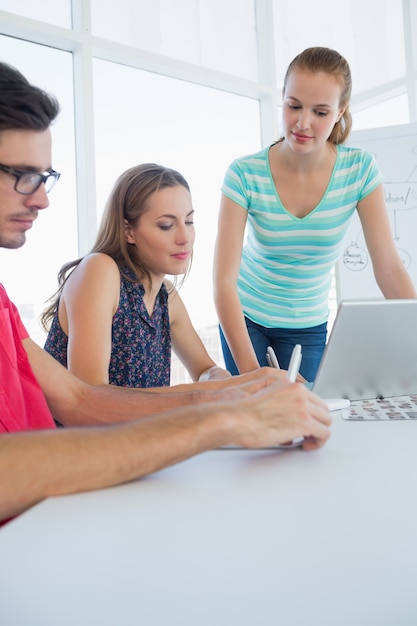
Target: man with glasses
[(255, 410)]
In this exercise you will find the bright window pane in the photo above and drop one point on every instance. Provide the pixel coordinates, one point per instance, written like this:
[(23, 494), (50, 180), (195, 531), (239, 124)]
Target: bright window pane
[(29, 273), (388, 113), (369, 34), (195, 31), (147, 117), (57, 12)]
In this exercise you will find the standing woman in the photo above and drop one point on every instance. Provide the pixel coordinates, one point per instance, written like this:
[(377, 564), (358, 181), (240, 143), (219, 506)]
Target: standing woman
[(115, 314), (296, 198)]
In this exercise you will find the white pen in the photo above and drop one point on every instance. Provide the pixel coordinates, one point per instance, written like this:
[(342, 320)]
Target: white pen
[(293, 368), (271, 358), (295, 363)]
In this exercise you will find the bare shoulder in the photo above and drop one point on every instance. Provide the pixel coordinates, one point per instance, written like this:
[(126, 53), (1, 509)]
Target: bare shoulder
[(98, 261), (95, 265), (97, 276)]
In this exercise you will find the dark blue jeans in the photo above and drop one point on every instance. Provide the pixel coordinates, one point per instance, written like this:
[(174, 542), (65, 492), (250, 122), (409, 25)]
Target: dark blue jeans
[(283, 340)]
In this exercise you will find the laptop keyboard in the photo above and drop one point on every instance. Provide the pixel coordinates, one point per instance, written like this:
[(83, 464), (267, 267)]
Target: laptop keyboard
[(398, 408)]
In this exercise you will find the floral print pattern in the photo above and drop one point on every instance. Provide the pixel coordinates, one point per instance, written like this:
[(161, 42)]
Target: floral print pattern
[(141, 344)]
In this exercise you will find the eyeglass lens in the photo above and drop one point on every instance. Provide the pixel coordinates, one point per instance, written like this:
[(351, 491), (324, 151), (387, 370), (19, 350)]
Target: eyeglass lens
[(30, 182)]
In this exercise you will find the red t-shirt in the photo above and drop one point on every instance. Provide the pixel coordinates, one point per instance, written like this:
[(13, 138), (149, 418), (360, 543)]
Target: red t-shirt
[(22, 403)]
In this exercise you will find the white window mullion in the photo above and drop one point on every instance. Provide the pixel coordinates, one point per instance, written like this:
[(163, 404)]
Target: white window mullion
[(84, 126), (268, 89)]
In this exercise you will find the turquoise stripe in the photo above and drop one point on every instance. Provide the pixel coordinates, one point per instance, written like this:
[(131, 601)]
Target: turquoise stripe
[(284, 277)]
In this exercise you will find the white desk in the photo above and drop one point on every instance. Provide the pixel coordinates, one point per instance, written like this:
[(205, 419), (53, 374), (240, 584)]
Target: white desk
[(240, 538)]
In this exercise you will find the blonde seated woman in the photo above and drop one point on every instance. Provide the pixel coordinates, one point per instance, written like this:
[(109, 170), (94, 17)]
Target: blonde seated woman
[(115, 316)]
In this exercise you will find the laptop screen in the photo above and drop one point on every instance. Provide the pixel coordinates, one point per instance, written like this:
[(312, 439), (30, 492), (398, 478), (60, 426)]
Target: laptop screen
[(371, 351)]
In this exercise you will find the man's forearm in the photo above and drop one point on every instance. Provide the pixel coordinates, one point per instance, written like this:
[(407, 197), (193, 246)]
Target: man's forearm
[(91, 405), (51, 463)]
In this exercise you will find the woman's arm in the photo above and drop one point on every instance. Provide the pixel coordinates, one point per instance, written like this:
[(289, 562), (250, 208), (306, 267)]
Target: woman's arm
[(390, 273), (188, 346), (89, 300), (227, 258)]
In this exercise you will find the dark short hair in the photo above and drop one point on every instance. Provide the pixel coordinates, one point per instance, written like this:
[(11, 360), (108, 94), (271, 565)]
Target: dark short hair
[(22, 105)]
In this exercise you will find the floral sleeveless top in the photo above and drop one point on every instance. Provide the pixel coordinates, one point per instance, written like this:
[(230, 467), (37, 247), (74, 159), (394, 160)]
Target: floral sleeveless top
[(141, 344)]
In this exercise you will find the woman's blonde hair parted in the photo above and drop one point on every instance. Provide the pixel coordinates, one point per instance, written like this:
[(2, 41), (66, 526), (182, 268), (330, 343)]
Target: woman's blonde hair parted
[(326, 60)]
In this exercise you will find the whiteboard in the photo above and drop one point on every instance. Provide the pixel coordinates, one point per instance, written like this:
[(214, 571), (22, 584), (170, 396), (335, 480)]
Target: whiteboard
[(395, 149)]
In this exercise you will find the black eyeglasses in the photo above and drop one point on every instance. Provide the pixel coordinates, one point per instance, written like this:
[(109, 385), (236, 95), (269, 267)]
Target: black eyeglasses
[(29, 182)]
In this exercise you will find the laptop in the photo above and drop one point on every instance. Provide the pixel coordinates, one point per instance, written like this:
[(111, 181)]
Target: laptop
[(371, 359)]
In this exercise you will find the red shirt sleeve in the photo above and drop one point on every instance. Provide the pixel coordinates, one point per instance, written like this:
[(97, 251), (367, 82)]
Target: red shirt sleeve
[(22, 403)]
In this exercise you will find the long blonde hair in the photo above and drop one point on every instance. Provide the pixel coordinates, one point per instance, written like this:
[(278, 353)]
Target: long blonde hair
[(126, 203)]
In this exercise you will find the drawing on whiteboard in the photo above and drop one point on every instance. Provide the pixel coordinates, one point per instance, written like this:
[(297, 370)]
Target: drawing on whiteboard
[(395, 149), (399, 197), (354, 257)]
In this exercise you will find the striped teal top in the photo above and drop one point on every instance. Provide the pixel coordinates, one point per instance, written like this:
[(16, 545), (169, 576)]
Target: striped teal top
[(285, 272)]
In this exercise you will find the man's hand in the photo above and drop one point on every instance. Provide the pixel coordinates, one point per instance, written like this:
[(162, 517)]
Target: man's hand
[(280, 411)]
